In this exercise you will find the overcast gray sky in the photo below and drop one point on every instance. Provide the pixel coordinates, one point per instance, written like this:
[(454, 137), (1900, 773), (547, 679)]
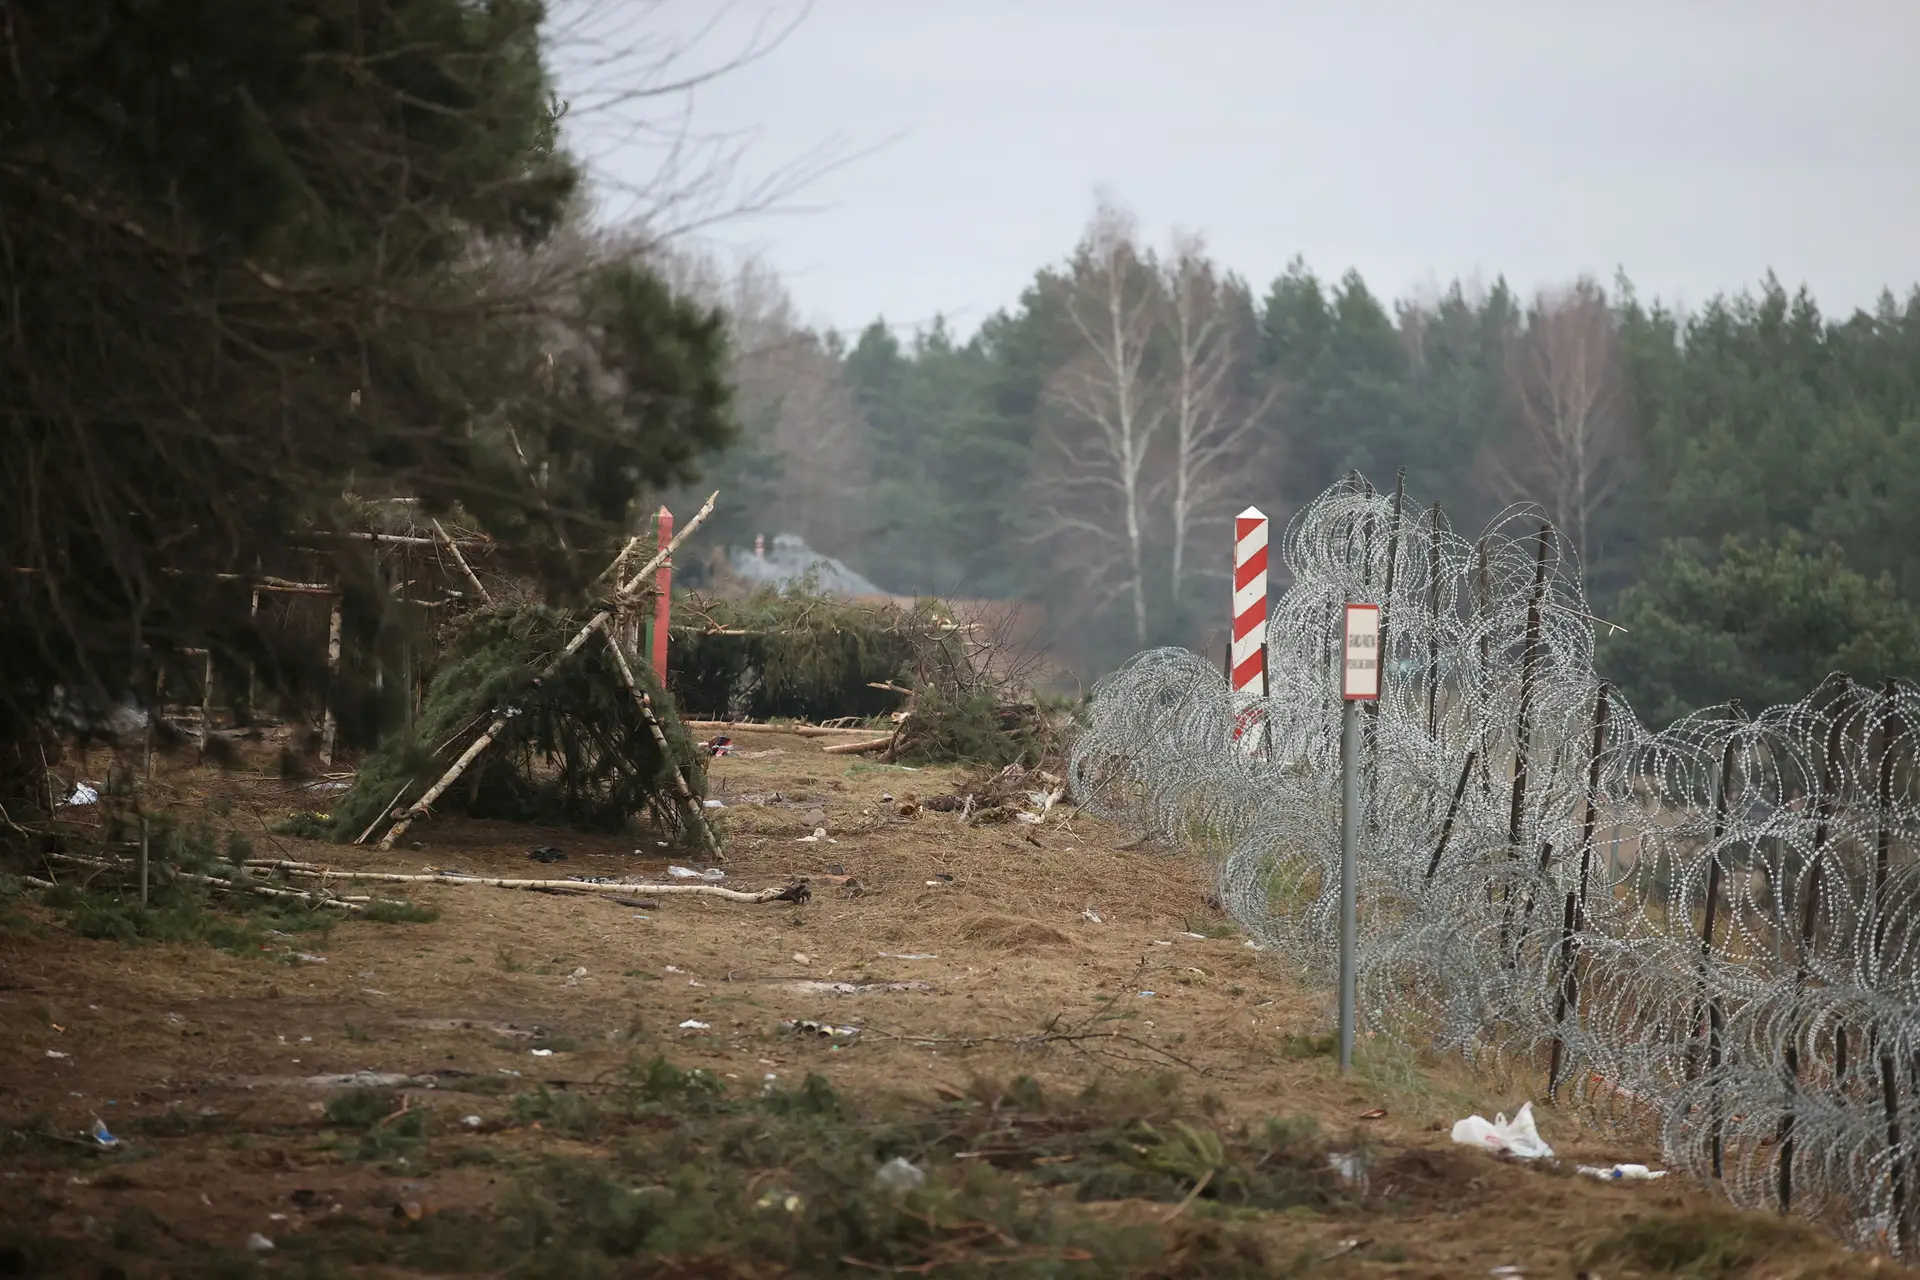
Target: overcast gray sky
[(1696, 143)]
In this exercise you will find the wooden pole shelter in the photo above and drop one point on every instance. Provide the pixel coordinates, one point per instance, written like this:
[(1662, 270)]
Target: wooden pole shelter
[(599, 620)]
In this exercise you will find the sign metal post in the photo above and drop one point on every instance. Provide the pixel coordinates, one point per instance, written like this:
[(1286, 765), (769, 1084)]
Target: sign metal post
[(1359, 682)]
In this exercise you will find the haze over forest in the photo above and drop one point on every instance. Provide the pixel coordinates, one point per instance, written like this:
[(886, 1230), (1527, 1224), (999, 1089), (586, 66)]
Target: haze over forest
[(1730, 454)]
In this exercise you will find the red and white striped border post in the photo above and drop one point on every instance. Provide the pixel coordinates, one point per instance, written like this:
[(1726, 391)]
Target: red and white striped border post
[(1247, 659)]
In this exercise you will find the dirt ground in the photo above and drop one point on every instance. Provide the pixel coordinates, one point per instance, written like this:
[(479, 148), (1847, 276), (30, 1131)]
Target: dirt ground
[(963, 954)]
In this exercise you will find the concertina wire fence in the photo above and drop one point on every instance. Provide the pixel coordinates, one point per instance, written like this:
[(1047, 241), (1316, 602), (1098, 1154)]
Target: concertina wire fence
[(1711, 930)]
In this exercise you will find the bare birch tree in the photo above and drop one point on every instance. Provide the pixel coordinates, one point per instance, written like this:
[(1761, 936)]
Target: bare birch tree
[(1212, 414), (791, 399), (1098, 492), (1572, 439)]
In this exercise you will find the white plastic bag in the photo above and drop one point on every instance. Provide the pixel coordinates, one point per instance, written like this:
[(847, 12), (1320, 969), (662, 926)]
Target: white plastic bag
[(899, 1176), (1623, 1173), (1516, 1137)]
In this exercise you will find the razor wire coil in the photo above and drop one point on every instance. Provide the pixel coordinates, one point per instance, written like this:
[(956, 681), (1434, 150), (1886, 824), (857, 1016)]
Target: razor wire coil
[(1712, 930)]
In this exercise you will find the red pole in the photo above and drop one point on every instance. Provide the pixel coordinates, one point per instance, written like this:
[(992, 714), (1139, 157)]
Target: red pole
[(663, 585)]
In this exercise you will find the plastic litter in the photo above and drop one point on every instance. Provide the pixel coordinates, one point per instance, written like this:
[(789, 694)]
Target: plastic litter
[(1146, 994), (898, 1176), (472, 1122), (1090, 915), (84, 793), (1516, 1137), (688, 873), (257, 1243), (827, 1029), (692, 1024), (101, 1135), (1623, 1173), (713, 804), (908, 955), (55, 1053), (1348, 1165), (541, 1053)]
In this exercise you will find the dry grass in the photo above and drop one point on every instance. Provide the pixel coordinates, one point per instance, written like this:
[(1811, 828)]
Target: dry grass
[(204, 1061)]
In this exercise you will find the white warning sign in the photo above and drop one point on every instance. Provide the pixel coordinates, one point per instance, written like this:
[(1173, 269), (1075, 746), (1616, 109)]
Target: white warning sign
[(1360, 681)]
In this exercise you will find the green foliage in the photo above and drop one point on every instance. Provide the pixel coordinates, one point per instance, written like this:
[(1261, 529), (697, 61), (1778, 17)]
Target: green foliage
[(575, 751), (1763, 622), (361, 1108), (1708, 1244), (394, 911), (306, 826), (1754, 418), (803, 656), (181, 911), (685, 1177), (952, 433), (272, 255), (968, 728), (785, 1179)]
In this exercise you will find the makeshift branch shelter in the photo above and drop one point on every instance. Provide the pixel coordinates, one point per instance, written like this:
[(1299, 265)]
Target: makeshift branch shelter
[(577, 748), (545, 718)]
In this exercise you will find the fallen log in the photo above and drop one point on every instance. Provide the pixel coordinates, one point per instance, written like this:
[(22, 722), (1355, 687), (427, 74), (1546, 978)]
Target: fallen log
[(796, 892), (311, 898), (858, 748), (802, 730)]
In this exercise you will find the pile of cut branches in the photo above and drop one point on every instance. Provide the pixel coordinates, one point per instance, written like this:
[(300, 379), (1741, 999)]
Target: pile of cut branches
[(802, 656)]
